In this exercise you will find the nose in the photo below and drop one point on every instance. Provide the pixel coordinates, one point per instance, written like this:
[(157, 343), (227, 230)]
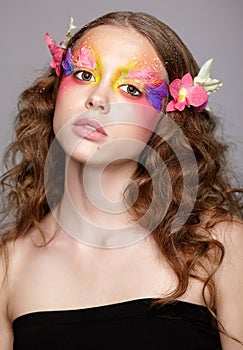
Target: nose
[(98, 101)]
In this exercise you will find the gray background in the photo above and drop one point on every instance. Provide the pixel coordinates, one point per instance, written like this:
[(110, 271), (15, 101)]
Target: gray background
[(210, 28)]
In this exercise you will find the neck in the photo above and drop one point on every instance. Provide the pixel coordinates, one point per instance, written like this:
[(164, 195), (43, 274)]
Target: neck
[(93, 208)]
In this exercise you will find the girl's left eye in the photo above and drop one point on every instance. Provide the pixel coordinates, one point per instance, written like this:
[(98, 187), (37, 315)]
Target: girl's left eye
[(84, 76), (131, 90)]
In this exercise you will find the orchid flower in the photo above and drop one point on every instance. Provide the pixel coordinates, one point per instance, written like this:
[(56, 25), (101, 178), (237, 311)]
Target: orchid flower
[(56, 53), (186, 94)]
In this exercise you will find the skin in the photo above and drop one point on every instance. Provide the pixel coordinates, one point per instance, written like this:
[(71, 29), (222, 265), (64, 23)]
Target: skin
[(127, 118), (67, 274), (125, 115)]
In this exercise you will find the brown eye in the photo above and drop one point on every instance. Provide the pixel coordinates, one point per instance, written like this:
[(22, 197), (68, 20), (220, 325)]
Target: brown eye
[(84, 76), (131, 90)]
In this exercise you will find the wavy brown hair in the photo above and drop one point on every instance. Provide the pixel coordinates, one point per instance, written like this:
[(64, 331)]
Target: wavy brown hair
[(189, 246)]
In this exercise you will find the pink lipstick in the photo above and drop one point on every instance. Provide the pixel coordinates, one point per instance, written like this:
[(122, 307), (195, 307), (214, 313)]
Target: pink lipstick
[(89, 129)]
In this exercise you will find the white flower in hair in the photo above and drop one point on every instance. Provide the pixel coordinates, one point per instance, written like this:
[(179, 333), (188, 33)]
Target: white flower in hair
[(68, 33), (203, 78)]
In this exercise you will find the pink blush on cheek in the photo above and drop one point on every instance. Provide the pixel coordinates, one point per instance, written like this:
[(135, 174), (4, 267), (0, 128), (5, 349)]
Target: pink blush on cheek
[(142, 114), (144, 102), (66, 84)]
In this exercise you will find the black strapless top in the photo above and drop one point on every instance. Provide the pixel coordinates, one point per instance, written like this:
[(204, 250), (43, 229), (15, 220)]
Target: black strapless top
[(127, 325)]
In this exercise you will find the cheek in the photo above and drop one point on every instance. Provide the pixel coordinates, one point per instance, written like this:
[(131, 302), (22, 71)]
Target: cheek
[(148, 117), (134, 121), (66, 86), (139, 114), (69, 103), (63, 107), (143, 101)]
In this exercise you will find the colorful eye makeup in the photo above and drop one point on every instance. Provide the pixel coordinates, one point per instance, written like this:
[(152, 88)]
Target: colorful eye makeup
[(85, 76), (145, 80), (133, 79), (82, 57), (68, 64), (156, 93), (131, 90)]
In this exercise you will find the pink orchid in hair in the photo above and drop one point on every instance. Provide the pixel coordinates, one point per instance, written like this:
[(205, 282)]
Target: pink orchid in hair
[(56, 52), (186, 94)]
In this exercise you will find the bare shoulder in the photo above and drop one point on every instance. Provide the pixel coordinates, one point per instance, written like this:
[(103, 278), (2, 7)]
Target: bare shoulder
[(229, 281), (15, 256)]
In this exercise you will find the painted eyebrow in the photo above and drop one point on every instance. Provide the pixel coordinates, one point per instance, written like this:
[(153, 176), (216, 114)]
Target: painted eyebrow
[(85, 57), (144, 75)]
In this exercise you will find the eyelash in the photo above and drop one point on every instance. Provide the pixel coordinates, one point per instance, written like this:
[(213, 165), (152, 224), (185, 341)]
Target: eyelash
[(127, 86), (80, 75)]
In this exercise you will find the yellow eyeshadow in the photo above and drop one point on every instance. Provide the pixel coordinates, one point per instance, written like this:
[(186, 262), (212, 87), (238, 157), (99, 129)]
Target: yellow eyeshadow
[(124, 81)]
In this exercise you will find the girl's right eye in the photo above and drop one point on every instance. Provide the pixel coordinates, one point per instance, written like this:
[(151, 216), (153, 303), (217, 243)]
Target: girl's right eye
[(84, 76)]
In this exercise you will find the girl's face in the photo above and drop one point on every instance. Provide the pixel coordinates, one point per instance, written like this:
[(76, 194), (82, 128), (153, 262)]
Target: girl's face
[(107, 108)]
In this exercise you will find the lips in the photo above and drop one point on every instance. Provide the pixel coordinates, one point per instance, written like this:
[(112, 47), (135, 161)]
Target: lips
[(89, 129)]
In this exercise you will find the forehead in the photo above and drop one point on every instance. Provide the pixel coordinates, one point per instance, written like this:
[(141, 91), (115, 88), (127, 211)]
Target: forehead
[(124, 44)]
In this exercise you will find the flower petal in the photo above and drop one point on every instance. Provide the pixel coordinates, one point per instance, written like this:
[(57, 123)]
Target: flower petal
[(209, 84), (68, 33), (205, 70), (170, 106), (203, 78), (175, 87), (48, 39), (58, 70), (197, 96), (203, 106), (187, 80), (56, 52), (181, 105)]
